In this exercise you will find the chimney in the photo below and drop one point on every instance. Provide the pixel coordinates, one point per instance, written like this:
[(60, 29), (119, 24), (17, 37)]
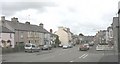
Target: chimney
[(41, 25), (27, 23), (2, 18), (14, 19), (51, 30)]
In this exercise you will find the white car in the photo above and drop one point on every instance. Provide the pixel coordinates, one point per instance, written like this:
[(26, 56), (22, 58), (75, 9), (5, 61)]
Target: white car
[(65, 46), (31, 48), (60, 45), (87, 45), (99, 48)]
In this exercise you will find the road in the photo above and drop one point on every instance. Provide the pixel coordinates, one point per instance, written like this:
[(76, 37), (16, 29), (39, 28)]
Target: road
[(63, 55)]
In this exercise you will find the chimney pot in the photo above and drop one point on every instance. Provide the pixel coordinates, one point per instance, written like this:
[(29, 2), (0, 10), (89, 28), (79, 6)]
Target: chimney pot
[(41, 25), (2, 18), (27, 22), (14, 19)]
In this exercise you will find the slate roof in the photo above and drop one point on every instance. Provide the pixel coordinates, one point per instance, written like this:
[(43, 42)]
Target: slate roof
[(26, 27), (5, 30)]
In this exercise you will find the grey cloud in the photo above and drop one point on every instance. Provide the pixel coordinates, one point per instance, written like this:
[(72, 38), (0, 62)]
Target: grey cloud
[(9, 8)]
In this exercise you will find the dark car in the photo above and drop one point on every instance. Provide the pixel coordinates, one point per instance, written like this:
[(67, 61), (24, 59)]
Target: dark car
[(47, 47), (70, 46)]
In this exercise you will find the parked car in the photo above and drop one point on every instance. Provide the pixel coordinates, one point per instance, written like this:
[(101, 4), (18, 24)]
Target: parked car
[(31, 48), (84, 47), (65, 46), (70, 46), (91, 43), (73, 44), (60, 45), (47, 47), (99, 48)]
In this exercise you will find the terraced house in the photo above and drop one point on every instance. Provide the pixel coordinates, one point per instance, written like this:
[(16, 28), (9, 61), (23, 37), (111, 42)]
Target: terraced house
[(26, 32), (65, 35), (6, 37)]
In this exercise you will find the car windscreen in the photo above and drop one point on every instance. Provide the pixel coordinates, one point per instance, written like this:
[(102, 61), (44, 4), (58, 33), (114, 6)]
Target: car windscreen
[(33, 45), (27, 45)]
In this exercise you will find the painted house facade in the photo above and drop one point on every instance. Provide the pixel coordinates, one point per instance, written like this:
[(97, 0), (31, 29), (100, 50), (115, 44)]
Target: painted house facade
[(65, 36), (26, 32), (6, 37)]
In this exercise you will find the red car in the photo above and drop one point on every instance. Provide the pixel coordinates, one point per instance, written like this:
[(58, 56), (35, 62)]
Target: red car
[(83, 47)]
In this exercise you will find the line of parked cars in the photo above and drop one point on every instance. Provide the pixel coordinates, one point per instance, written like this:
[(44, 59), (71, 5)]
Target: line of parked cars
[(34, 48), (66, 46), (31, 48)]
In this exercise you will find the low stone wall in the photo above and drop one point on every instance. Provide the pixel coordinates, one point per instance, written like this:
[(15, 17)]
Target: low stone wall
[(18, 48)]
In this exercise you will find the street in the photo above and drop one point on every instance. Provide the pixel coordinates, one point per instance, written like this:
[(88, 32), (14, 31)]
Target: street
[(63, 55)]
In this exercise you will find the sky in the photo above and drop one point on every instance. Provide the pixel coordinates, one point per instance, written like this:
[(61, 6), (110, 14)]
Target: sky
[(81, 16)]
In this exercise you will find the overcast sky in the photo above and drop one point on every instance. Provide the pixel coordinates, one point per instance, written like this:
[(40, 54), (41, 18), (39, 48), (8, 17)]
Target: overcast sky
[(81, 16)]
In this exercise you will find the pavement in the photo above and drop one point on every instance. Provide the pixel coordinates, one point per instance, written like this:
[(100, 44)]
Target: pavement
[(63, 55)]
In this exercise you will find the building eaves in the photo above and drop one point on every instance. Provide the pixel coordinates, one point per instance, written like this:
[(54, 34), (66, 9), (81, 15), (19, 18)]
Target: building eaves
[(26, 27), (5, 30)]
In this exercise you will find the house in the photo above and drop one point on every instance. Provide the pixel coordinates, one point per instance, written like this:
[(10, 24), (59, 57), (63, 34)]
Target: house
[(65, 36), (109, 35), (26, 32), (85, 39), (6, 37), (115, 26), (100, 37)]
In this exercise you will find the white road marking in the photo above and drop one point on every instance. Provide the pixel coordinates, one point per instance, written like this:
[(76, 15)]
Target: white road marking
[(65, 49), (82, 56), (71, 61), (85, 55)]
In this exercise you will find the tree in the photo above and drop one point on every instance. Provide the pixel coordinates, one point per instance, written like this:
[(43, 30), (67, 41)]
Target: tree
[(57, 41), (81, 34)]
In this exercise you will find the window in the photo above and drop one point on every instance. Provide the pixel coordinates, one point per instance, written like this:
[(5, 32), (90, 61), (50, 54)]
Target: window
[(21, 35), (27, 46), (33, 45), (29, 41)]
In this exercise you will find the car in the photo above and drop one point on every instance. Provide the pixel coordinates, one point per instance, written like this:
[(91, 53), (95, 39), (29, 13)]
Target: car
[(60, 45), (83, 47), (70, 46), (99, 48), (31, 48), (91, 43), (87, 45), (65, 46), (47, 47), (73, 44)]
